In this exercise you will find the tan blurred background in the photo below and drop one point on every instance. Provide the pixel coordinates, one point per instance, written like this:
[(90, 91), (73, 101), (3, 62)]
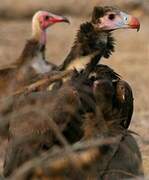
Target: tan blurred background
[(131, 59)]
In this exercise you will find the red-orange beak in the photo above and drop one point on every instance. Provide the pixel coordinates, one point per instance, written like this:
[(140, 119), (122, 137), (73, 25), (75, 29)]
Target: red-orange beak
[(130, 21), (120, 20), (134, 23), (56, 19)]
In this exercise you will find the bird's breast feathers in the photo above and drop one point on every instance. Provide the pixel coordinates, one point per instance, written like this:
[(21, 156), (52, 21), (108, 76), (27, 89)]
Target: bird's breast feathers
[(40, 65)]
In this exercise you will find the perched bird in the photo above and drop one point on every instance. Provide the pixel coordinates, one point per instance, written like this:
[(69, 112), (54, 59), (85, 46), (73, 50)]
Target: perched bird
[(32, 60), (94, 38)]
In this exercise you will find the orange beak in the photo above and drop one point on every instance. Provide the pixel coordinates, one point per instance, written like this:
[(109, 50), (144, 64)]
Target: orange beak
[(56, 19), (129, 21), (134, 23)]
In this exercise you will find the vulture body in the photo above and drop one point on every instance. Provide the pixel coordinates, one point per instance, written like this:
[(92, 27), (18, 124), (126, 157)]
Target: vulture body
[(115, 93), (117, 160)]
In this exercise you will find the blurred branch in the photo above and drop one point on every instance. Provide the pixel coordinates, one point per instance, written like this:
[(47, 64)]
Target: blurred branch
[(45, 81), (83, 153)]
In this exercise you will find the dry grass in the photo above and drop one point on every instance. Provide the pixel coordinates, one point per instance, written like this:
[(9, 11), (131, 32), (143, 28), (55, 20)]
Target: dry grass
[(131, 58)]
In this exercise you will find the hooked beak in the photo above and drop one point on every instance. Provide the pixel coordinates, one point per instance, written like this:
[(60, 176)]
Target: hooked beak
[(129, 21), (134, 23), (57, 19)]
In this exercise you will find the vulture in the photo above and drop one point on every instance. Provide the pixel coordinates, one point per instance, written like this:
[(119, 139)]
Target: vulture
[(94, 38), (32, 60)]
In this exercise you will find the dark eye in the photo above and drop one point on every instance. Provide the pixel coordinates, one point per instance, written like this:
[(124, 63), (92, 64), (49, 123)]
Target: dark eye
[(111, 16), (125, 18), (46, 17)]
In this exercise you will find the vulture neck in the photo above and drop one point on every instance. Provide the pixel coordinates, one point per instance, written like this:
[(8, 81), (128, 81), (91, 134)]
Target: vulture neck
[(35, 47), (90, 45), (38, 34), (32, 50)]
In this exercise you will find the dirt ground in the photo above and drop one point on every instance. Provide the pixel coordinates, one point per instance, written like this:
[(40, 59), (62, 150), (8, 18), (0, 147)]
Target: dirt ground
[(130, 60)]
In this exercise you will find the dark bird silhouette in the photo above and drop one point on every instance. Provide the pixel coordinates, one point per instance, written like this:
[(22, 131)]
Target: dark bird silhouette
[(94, 38), (124, 102), (115, 95), (114, 161), (32, 60)]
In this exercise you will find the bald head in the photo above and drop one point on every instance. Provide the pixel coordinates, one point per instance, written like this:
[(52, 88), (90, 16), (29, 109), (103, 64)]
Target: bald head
[(109, 18), (42, 20)]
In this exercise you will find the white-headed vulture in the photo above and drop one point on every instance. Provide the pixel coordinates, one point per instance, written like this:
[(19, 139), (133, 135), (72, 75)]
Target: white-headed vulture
[(32, 60)]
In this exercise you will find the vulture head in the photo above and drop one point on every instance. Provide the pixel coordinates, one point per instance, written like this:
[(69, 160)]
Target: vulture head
[(110, 18), (41, 21)]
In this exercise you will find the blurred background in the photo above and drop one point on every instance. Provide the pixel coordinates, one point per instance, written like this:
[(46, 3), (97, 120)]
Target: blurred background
[(130, 60)]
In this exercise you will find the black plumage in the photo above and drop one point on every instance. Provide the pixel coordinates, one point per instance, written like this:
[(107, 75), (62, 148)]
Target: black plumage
[(90, 41), (124, 99), (114, 94)]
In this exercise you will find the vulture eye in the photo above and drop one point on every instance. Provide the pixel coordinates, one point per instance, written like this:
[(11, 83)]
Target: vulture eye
[(126, 18), (46, 17), (111, 16)]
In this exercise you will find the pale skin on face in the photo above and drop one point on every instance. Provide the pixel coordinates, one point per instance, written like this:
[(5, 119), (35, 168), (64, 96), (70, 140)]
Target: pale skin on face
[(41, 21), (119, 20), (38, 32)]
